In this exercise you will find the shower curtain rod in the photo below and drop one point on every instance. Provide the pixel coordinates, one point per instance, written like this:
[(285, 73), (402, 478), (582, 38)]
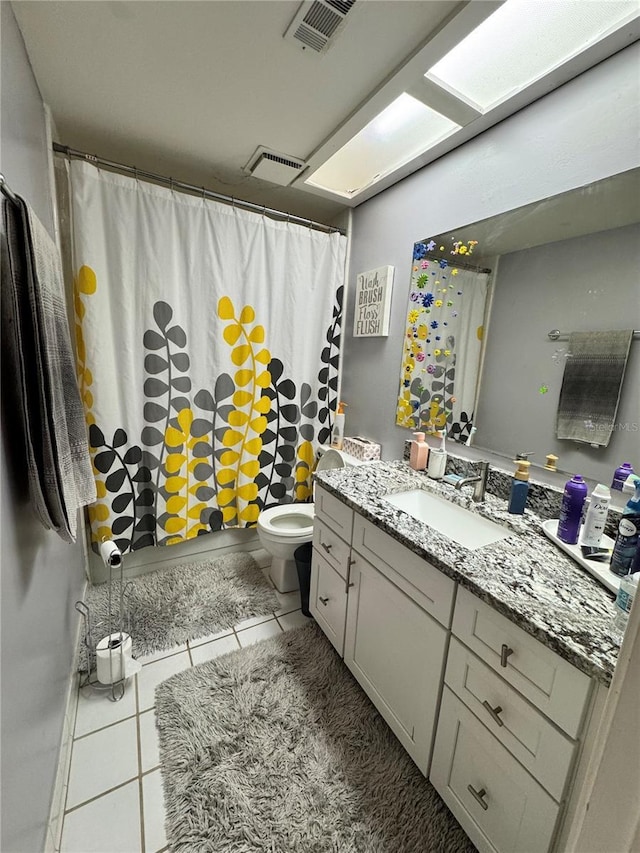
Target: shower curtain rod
[(205, 193)]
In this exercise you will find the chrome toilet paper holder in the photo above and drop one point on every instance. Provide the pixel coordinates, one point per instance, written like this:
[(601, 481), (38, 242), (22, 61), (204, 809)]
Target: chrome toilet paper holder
[(120, 625)]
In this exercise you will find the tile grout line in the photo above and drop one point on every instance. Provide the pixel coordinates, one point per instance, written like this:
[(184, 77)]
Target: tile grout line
[(108, 726), (100, 795)]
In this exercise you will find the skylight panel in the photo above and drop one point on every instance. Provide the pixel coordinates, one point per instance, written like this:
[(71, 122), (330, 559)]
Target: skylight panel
[(402, 131), (521, 42)]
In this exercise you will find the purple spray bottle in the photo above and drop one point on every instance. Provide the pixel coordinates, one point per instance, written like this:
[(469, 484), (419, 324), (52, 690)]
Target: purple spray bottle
[(575, 494)]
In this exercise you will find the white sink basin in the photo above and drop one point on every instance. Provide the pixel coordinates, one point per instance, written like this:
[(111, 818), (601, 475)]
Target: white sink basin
[(455, 522)]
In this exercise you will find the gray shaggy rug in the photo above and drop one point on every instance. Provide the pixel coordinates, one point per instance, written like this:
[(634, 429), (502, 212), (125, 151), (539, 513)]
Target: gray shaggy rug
[(276, 749), (186, 602)]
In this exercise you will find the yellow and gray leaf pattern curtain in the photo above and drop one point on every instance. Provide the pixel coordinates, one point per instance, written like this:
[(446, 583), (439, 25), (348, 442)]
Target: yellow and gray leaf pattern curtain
[(208, 346)]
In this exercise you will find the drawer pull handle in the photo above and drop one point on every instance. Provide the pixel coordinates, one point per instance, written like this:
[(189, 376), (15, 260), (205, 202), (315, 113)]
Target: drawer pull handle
[(323, 600), (478, 795), (495, 712), (504, 654), (326, 547)]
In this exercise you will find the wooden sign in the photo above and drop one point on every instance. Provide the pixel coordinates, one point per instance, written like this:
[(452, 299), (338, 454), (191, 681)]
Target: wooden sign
[(373, 303)]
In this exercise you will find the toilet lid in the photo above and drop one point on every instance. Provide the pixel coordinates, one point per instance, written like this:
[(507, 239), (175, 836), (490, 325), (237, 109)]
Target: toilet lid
[(331, 458)]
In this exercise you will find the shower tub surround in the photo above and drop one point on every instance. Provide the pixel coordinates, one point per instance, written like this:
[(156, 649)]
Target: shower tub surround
[(524, 577)]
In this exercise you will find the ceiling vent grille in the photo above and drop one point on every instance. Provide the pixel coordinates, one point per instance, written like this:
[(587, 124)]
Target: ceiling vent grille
[(276, 168), (317, 23)]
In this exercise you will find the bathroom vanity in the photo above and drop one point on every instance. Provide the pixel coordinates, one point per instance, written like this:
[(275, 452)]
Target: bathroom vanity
[(490, 664)]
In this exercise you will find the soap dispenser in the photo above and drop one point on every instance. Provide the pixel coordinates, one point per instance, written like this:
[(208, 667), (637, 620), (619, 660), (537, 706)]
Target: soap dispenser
[(519, 487), (419, 452), (437, 459)]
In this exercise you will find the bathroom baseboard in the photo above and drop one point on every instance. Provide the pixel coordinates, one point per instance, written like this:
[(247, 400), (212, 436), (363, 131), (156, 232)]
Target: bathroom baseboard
[(160, 558), (58, 799)]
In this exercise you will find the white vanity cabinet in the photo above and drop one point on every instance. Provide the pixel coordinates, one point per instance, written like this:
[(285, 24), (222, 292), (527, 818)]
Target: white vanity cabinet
[(387, 611), (509, 719), (508, 733)]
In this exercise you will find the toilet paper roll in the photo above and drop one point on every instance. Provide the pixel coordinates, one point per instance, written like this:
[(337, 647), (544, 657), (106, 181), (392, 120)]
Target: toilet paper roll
[(113, 658), (110, 553)]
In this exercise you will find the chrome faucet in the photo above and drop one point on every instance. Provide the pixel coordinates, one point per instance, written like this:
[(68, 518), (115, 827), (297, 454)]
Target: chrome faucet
[(479, 482)]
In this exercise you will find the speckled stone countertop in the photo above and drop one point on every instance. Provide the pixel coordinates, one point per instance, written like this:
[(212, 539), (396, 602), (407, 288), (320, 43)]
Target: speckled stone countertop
[(525, 576)]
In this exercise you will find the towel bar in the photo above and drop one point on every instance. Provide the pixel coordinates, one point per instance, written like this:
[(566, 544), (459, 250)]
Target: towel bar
[(556, 334)]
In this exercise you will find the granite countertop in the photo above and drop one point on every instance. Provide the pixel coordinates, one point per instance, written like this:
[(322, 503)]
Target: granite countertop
[(525, 576)]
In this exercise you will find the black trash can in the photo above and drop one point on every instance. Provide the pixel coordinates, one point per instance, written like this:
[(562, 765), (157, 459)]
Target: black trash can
[(302, 556)]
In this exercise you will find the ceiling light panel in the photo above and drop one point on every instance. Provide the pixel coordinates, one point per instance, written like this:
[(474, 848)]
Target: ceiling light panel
[(402, 131), (521, 42)]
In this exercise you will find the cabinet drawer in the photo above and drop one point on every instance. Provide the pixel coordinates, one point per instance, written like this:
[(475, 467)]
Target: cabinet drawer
[(537, 744), (330, 546), (328, 601), (334, 513), (552, 684), (510, 812), (429, 588)]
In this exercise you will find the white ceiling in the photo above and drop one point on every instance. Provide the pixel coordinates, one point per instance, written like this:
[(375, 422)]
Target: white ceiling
[(191, 89)]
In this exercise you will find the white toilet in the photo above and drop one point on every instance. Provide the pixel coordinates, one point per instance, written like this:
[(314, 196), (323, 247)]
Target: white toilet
[(281, 529)]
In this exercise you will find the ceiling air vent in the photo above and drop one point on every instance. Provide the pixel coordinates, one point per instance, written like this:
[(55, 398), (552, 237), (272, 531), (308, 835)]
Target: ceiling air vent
[(274, 167), (317, 24)]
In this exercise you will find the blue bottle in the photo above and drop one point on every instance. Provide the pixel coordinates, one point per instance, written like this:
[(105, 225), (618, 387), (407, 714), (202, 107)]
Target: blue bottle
[(628, 538), (519, 487), (575, 494)]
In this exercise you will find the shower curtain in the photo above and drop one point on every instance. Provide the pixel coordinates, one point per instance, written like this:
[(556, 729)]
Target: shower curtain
[(208, 343), (442, 346)]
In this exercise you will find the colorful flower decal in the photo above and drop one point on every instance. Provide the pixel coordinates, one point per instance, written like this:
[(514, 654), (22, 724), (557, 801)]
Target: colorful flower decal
[(455, 272), (424, 265), (443, 264), (543, 389), (431, 368), (422, 281), (413, 316), (427, 299), (431, 246), (419, 251), (438, 303), (434, 324)]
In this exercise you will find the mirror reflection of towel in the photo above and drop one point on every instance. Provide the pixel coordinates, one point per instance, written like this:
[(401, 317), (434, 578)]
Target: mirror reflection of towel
[(591, 385)]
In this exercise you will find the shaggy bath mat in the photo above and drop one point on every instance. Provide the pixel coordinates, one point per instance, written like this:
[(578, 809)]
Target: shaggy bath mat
[(186, 602), (276, 749)]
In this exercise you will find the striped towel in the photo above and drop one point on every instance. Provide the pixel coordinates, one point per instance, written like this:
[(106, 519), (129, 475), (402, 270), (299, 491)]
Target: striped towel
[(40, 358), (591, 385)]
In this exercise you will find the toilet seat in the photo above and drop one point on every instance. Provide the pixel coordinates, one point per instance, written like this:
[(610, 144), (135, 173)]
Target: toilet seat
[(288, 521)]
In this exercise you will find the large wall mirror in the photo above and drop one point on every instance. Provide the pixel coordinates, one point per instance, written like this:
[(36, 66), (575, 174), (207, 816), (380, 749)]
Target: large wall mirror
[(570, 263)]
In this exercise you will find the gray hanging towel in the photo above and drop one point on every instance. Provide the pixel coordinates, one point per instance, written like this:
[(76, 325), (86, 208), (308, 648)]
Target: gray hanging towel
[(591, 385), (39, 350)]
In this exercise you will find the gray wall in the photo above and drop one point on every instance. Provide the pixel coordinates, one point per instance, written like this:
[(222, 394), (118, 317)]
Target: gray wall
[(41, 575), (584, 131), (587, 283)]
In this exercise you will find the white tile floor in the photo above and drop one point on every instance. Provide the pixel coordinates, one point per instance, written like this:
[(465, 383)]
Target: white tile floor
[(114, 799)]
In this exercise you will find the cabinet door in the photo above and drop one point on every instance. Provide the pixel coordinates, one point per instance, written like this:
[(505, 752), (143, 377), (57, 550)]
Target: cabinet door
[(328, 600), (396, 652), (498, 804)]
